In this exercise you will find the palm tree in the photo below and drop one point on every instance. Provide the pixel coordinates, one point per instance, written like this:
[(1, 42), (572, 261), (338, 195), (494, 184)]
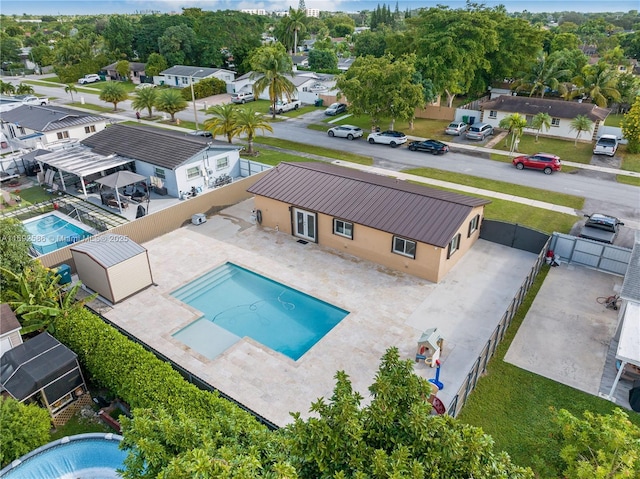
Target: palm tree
[(70, 89), (223, 121), (598, 82), (295, 24), (515, 124), (271, 66), (113, 93), (539, 121), (248, 122), (170, 101), (24, 89), (145, 98), (580, 123), (544, 74), (6, 87)]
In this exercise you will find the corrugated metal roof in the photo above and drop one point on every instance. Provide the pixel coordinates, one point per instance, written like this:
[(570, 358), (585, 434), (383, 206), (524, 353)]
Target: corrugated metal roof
[(48, 117), (109, 249), (555, 108), (397, 207), (631, 284), (8, 320)]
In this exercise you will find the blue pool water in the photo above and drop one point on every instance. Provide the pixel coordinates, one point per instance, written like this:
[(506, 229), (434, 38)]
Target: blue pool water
[(52, 231), (86, 456), (237, 303)]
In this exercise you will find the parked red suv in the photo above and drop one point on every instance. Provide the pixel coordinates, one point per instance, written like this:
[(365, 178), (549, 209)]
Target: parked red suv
[(540, 161)]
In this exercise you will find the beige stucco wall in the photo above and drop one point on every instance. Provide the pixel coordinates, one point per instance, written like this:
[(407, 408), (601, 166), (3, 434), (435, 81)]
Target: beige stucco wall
[(130, 276), (430, 263), (92, 274)]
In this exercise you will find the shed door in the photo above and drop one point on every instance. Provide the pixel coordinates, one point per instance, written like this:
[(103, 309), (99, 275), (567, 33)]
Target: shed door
[(305, 224)]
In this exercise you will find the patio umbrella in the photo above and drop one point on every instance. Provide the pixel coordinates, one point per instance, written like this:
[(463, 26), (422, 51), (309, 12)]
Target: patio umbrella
[(118, 180)]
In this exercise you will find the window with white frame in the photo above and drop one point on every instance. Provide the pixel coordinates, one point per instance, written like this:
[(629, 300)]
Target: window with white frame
[(473, 225), (529, 119), (62, 135), (159, 172), (193, 172), (222, 163), (493, 114), (454, 245), (90, 129), (404, 247), (343, 228), (555, 121)]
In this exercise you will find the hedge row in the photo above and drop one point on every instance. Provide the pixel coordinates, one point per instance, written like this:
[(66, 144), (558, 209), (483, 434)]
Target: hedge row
[(138, 377), (205, 88)]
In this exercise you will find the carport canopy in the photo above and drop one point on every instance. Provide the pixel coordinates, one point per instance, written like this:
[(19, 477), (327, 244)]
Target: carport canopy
[(80, 161), (629, 344)]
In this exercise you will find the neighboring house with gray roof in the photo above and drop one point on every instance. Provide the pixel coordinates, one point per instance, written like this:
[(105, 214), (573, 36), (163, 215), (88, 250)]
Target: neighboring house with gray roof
[(42, 125), (561, 112), (136, 71), (403, 226), (175, 162), (181, 76)]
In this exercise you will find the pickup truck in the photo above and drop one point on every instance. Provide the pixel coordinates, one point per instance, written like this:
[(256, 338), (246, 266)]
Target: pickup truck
[(32, 100), (90, 78), (606, 145), (599, 227), (284, 106)]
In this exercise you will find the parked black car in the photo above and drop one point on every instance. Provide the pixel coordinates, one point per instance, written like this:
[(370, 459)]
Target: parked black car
[(434, 147)]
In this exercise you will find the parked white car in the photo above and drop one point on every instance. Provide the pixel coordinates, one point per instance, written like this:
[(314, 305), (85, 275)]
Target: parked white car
[(284, 106), (90, 78), (349, 132), (390, 137), (456, 128), (606, 145), (32, 100)]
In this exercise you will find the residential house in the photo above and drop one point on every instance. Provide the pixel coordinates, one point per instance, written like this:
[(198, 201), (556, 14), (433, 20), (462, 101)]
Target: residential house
[(182, 76), (9, 329), (47, 124), (561, 112), (308, 85), (403, 226), (136, 72)]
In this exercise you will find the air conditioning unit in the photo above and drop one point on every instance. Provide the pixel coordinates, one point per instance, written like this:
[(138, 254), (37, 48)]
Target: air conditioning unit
[(209, 171), (198, 219)]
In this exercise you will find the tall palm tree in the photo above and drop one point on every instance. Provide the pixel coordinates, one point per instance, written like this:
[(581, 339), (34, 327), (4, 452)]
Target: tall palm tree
[(6, 87), (271, 66), (25, 89), (598, 82), (223, 121), (544, 74), (170, 101), (248, 122), (295, 25), (580, 124), (70, 89), (541, 120), (145, 98), (113, 92), (515, 124)]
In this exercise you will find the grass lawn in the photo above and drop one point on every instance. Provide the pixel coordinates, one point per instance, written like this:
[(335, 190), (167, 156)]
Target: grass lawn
[(316, 150), (100, 85), (563, 148), (272, 157), (47, 81), (79, 425), (515, 406), (29, 196), (571, 201), (613, 120), (90, 106)]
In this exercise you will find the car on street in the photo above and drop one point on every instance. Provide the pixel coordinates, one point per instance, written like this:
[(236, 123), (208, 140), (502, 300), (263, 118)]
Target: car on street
[(242, 97), (546, 162), (349, 132), (335, 109), (456, 128), (32, 100), (389, 137), (434, 147), (479, 131), (204, 133), (90, 78)]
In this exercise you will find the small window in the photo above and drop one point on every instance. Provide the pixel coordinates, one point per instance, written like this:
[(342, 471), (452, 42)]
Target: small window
[(529, 119), (159, 172), (555, 121), (493, 114), (193, 172), (222, 163), (90, 129), (62, 135), (343, 228), (404, 247), (454, 245), (473, 225)]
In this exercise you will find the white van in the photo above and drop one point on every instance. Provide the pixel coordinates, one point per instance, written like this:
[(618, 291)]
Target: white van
[(606, 145)]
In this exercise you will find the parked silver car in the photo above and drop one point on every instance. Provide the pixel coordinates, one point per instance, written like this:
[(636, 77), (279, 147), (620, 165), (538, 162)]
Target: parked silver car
[(479, 131), (242, 97), (456, 128), (350, 132)]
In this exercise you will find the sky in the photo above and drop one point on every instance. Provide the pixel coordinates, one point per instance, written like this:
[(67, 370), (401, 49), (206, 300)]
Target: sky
[(83, 7)]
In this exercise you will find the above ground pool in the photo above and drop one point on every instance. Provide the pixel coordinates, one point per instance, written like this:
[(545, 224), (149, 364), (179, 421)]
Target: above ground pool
[(237, 303), (85, 456), (54, 230)]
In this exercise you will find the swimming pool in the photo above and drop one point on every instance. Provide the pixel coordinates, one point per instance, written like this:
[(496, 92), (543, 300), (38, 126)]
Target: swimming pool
[(84, 456), (53, 231), (237, 303)]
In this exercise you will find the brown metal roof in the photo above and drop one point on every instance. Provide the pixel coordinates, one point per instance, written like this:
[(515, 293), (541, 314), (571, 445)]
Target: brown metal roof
[(8, 320), (387, 204), (555, 108)]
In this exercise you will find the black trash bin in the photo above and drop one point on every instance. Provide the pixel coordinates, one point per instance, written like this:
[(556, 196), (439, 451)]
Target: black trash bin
[(319, 102), (472, 120)]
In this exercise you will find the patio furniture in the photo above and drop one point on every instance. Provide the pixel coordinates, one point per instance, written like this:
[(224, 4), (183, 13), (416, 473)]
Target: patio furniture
[(113, 203)]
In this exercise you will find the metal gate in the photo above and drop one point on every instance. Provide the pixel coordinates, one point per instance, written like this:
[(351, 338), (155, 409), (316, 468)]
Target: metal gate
[(513, 235), (593, 254)]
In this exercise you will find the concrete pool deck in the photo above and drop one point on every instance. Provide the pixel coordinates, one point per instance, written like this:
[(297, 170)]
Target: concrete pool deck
[(388, 308)]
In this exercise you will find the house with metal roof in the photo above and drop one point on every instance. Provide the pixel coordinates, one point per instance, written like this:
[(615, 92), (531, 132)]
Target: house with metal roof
[(182, 76), (561, 112), (403, 226), (9, 329), (35, 125)]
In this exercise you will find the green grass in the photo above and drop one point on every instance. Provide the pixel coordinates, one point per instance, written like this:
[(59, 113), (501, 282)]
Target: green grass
[(613, 120), (273, 158), (570, 201), (43, 82), (565, 149), (79, 425), (630, 162), (90, 106), (316, 150), (51, 79), (514, 406), (29, 196)]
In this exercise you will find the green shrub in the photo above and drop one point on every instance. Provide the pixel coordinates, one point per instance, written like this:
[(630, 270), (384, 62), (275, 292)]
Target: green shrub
[(205, 88)]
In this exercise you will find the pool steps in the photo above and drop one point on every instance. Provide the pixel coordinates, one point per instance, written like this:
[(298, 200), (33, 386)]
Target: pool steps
[(204, 283)]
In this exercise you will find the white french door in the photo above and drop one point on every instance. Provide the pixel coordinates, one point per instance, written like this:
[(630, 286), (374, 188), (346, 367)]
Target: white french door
[(304, 224)]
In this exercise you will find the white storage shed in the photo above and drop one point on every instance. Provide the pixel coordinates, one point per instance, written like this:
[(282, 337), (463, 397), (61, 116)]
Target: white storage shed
[(113, 266)]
